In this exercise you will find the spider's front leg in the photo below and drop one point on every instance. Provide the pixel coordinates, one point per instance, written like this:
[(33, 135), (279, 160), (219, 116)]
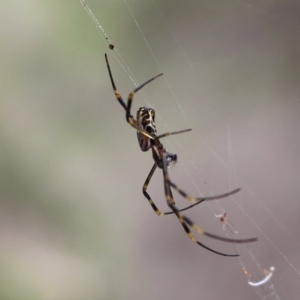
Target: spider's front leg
[(129, 118), (132, 121), (131, 95), (117, 95)]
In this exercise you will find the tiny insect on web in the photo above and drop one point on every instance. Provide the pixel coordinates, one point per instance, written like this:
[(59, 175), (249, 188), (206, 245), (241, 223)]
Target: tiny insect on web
[(148, 139)]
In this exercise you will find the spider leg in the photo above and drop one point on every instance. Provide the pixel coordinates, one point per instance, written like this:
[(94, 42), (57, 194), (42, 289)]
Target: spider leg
[(129, 118), (130, 96), (186, 222), (216, 237), (197, 228), (181, 219), (201, 199), (145, 186), (157, 211), (117, 95), (172, 133), (196, 200)]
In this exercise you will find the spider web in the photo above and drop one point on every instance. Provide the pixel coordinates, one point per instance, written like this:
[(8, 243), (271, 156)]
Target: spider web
[(73, 220), (235, 109)]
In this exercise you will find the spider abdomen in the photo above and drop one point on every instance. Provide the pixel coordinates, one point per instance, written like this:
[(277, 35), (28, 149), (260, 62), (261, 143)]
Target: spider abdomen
[(145, 119)]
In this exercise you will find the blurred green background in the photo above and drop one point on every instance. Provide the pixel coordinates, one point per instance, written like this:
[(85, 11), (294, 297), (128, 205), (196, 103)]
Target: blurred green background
[(73, 221)]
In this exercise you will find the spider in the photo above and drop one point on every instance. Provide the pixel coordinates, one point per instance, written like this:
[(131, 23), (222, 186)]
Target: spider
[(148, 139)]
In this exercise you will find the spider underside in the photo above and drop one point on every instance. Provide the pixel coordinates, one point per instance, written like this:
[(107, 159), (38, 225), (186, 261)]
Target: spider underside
[(148, 139)]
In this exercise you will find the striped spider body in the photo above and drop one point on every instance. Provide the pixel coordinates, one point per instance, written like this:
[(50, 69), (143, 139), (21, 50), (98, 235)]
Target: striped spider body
[(148, 139), (146, 120)]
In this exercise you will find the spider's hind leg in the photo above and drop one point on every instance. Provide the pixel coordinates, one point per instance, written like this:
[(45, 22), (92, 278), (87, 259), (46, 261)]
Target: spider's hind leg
[(182, 219), (187, 222), (154, 207)]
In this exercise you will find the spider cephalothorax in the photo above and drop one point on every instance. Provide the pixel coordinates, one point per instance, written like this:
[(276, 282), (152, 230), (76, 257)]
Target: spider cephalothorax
[(148, 138)]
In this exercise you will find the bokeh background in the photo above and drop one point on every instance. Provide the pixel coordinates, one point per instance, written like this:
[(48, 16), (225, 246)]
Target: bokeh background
[(73, 221)]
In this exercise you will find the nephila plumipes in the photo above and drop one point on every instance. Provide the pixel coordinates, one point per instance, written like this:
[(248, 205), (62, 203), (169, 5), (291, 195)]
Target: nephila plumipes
[(148, 139)]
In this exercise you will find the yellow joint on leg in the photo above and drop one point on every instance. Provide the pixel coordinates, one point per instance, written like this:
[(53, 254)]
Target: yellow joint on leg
[(170, 200), (197, 228), (191, 236), (158, 212)]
